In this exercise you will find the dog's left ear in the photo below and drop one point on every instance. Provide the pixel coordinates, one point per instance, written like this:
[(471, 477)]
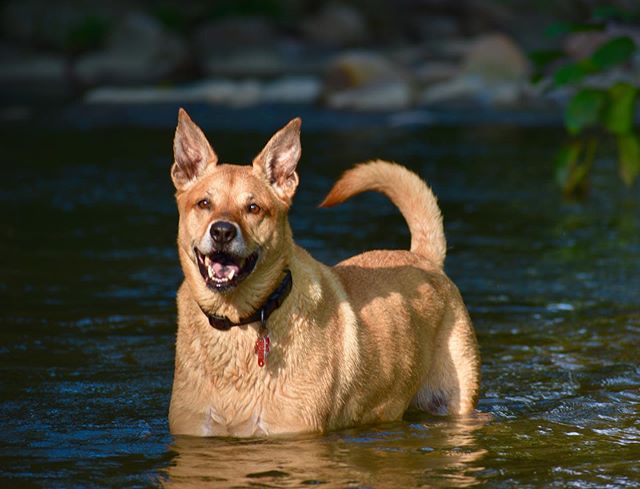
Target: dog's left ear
[(277, 161), (192, 152)]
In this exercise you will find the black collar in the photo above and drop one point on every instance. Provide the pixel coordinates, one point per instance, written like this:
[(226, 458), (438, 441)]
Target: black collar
[(273, 302)]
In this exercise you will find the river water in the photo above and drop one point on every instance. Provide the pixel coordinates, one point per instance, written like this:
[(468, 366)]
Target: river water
[(89, 273)]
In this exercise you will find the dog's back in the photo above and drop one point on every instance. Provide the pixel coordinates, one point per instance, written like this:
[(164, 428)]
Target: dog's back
[(404, 296)]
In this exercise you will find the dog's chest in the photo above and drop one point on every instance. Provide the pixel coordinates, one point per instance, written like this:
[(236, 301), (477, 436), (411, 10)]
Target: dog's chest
[(253, 404), (238, 397)]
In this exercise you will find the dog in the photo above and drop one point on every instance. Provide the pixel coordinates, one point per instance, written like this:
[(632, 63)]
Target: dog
[(271, 341)]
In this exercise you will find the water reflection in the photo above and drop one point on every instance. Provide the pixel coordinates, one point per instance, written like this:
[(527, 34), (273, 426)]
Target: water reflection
[(417, 451)]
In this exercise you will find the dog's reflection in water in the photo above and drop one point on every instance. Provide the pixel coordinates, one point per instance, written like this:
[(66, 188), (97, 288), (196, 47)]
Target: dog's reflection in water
[(423, 451)]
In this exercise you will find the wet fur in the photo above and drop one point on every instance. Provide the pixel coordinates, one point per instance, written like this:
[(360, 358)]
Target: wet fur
[(357, 343)]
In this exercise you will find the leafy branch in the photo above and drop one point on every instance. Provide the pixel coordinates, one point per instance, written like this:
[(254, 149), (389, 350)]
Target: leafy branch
[(595, 111)]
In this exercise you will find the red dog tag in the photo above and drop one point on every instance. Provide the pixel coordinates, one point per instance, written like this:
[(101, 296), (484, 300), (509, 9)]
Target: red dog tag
[(262, 349)]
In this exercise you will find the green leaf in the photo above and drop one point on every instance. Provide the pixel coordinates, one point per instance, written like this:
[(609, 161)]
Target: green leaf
[(584, 109), (542, 57), (572, 172), (629, 158), (620, 113), (537, 78), (561, 28), (610, 12), (566, 160), (558, 29), (572, 73), (613, 52)]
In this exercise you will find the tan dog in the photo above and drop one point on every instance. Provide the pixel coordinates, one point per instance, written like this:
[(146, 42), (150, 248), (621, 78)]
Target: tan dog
[(271, 341)]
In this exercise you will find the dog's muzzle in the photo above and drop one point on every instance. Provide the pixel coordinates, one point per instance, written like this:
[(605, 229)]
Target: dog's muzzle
[(223, 271)]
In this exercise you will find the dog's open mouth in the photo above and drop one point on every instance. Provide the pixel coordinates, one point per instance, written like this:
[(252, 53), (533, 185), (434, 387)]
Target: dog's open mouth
[(222, 271)]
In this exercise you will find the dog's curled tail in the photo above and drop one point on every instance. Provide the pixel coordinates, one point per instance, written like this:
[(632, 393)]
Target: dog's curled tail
[(408, 192)]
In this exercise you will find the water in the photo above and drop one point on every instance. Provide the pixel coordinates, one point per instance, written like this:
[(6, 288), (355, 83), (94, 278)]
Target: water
[(89, 273)]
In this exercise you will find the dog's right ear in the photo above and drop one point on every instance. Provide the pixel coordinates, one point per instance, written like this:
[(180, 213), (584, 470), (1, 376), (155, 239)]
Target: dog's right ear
[(278, 160), (192, 152)]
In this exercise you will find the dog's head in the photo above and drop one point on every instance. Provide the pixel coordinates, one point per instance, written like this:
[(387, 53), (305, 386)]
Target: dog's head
[(234, 238)]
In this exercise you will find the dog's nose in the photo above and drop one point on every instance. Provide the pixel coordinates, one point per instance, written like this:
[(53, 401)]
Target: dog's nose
[(223, 232)]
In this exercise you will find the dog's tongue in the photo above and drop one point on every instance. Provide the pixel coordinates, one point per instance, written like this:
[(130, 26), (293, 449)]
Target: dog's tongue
[(226, 270)]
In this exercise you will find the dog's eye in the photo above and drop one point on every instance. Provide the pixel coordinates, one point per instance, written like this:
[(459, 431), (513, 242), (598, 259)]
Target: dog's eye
[(253, 209), (204, 204)]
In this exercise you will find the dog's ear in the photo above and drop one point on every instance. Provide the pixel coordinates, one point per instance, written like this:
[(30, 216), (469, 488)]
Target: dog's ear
[(277, 161), (192, 152)]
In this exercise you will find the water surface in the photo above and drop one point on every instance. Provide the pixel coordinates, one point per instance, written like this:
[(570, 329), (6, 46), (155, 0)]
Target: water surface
[(89, 273)]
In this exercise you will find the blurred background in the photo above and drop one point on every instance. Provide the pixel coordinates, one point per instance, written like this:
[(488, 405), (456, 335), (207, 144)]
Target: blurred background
[(365, 55)]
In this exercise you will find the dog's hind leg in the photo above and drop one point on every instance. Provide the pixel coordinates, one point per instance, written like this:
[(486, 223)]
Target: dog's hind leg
[(453, 379)]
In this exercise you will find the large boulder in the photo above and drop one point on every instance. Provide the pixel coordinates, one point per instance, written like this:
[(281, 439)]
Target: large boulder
[(139, 49), (496, 57), (494, 71), (363, 80), (245, 47)]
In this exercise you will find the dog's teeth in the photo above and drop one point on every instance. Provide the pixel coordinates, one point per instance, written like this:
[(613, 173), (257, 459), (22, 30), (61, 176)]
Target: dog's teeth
[(231, 275)]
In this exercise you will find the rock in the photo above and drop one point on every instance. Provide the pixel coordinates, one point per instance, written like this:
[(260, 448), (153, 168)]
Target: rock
[(292, 90), (455, 91), (494, 71), (137, 95), (432, 72), (471, 90), (481, 16), (282, 57), (226, 92), (223, 92), (449, 49), (359, 68), (429, 27), (256, 62), (366, 81), (214, 91), (247, 47), (68, 25), (139, 49), (336, 25), (496, 57), (384, 96), (234, 33), (19, 66), (112, 67)]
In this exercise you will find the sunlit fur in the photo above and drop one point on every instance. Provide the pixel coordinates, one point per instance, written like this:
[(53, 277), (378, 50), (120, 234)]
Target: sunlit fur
[(356, 343)]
